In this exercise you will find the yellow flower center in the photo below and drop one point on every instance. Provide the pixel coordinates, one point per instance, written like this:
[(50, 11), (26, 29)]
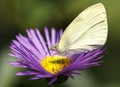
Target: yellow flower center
[(55, 64)]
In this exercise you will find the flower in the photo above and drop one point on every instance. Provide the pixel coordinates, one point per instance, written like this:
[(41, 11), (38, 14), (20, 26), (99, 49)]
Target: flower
[(33, 53)]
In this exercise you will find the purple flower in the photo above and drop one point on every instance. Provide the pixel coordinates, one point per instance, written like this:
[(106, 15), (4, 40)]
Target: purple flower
[(33, 53)]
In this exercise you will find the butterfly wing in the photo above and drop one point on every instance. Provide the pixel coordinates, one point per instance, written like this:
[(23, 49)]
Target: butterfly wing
[(88, 30)]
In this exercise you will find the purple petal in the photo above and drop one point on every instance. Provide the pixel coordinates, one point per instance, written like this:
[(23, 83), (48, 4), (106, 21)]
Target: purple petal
[(25, 73), (36, 42), (42, 41), (53, 80), (53, 36), (47, 35), (17, 64), (40, 76), (34, 78), (61, 32), (85, 60)]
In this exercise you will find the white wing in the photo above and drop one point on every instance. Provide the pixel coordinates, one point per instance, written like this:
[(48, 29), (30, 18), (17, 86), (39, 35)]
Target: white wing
[(88, 30)]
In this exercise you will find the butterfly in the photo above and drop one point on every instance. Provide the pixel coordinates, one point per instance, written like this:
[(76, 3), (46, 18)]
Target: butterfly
[(88, 31)]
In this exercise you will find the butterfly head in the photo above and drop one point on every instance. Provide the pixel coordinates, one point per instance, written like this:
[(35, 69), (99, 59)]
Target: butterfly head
[(58, 50)]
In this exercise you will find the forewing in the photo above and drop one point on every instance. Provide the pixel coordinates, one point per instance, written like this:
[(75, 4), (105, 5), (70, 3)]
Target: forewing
[(88, 30)]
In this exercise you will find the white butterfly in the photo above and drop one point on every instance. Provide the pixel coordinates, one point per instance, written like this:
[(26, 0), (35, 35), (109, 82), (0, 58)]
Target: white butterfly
[(88, 31)]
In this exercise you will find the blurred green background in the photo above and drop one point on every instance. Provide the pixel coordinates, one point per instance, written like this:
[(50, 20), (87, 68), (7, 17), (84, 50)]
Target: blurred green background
[(17, 15)]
